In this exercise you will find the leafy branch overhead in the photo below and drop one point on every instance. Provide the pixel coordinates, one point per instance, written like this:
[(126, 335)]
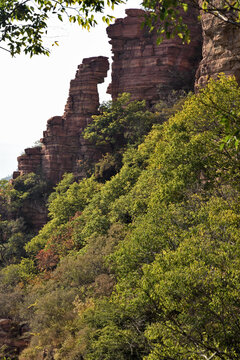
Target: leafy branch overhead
[(166, 16), (24, 23)]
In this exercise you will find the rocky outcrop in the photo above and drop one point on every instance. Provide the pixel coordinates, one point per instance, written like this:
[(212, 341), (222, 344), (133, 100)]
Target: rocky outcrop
[(13, 338), (64, 149), (221, 42), (147, 70), (140, 66), (29, 162)]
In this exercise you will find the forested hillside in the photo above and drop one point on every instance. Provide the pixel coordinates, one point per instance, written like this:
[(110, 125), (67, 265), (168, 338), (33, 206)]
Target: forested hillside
[(141, 260)]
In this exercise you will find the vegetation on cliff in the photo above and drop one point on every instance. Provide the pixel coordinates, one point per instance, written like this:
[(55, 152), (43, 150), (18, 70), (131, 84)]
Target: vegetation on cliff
[(144, 265)]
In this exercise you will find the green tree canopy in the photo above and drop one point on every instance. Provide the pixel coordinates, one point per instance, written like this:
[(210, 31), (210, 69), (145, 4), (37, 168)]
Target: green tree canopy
[(145, 265)]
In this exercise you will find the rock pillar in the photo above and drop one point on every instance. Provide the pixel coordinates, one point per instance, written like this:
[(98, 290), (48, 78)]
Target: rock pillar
[(64, 149)]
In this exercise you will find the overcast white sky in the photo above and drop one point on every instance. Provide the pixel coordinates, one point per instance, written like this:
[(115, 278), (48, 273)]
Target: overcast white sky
[(33, 90)]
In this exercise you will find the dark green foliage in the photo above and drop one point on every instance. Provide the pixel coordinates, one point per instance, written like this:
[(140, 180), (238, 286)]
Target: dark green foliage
[(120, 125), (123, 124), (27, 189), (108, 166), (15, 229), (30, 186), (13, 237)]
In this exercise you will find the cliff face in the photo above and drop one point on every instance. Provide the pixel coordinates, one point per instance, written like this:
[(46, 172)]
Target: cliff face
[(140, 66), (147, 70), (221, 42), (63, 146), (64, 149)]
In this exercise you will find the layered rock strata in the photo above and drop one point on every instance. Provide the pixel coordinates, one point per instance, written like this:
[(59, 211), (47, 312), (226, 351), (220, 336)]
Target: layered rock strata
[(221, 43), (140, 66), (147, 70), (63, 147)]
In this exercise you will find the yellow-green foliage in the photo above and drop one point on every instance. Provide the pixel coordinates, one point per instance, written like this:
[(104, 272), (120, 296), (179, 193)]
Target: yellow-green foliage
[(146, 265), (68, 199)]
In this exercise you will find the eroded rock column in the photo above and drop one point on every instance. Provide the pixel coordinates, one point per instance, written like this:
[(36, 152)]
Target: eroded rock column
[(64, 149)]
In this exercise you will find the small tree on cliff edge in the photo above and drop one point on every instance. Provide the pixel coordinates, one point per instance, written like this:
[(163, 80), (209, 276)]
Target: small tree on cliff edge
[(24, 22)]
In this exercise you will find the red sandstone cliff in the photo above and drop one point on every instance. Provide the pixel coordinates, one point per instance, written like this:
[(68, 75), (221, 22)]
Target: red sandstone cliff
[(221, 42), (145, 69), (64, 149), (140, 66), (63, 146)]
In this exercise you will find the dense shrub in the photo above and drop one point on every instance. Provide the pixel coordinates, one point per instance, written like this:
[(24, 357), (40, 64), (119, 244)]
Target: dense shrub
[(146, 264)]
